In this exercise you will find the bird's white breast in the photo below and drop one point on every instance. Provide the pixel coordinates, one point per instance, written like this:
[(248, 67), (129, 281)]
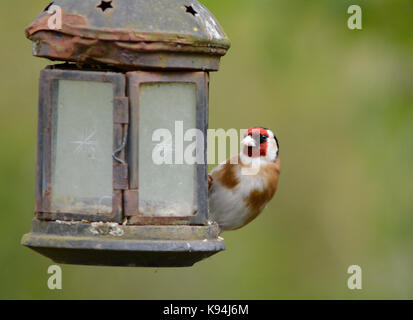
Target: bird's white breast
[(228, 206)]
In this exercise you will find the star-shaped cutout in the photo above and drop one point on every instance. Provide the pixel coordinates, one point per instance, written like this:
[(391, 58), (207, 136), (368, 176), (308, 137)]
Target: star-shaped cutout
[(48, 6), (191, 10), (105, 5)]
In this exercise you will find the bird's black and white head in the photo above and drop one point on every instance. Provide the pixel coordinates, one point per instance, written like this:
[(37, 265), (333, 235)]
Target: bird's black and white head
[(259, 143)]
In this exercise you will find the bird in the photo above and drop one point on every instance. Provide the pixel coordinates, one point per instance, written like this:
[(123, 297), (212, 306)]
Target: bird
[(240, 188)]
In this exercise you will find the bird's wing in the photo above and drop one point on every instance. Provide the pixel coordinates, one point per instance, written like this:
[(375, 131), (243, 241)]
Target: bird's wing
[(212, 177)]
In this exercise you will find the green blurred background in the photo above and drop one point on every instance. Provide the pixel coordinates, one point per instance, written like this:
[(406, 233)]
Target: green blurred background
[(340, 102)]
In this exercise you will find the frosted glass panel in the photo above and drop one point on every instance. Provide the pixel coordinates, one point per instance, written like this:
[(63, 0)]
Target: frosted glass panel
[(82, 144), (166, 190)]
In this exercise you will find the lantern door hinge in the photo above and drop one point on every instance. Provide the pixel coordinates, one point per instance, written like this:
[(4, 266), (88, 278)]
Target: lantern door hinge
[(121, 110), (120, 176), (131, 203)]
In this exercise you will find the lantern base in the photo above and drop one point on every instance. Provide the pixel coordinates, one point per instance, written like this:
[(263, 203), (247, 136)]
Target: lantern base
[(111, 244)]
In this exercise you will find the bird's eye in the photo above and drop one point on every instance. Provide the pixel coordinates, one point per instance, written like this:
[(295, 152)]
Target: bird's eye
[(263, 138)]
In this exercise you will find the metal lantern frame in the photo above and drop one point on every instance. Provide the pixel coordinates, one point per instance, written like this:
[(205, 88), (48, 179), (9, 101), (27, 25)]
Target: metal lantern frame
[(201, 81), (47, 104), (132, 44)]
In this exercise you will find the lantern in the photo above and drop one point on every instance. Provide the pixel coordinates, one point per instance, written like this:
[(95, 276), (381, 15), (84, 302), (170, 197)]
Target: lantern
[(132, 68)]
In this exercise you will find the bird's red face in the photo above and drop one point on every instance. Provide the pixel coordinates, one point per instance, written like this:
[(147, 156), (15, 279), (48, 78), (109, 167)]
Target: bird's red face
[(256, 142)]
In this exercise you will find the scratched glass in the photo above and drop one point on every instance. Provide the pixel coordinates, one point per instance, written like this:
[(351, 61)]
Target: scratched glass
[(167, 189), (82, 144)]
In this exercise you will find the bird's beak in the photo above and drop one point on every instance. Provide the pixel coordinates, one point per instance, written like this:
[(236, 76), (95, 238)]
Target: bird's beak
[(248, 141)]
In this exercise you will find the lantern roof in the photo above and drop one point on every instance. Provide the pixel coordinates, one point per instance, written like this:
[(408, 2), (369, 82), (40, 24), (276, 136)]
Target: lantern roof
[(166, 34)]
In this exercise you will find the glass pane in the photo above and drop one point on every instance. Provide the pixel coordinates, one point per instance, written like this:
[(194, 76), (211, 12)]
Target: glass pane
[(82, 144), (166, 190)]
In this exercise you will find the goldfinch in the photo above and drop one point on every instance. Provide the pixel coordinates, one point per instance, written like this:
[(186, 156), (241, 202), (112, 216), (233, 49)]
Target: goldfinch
[(240, 188)]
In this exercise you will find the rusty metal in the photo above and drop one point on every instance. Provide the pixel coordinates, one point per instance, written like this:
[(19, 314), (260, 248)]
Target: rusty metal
[(125, 44), (158, 34), (149, 221), (112, 244), (48, 90), (134, 81), (131, 198), (121, 110), (120, 176)]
